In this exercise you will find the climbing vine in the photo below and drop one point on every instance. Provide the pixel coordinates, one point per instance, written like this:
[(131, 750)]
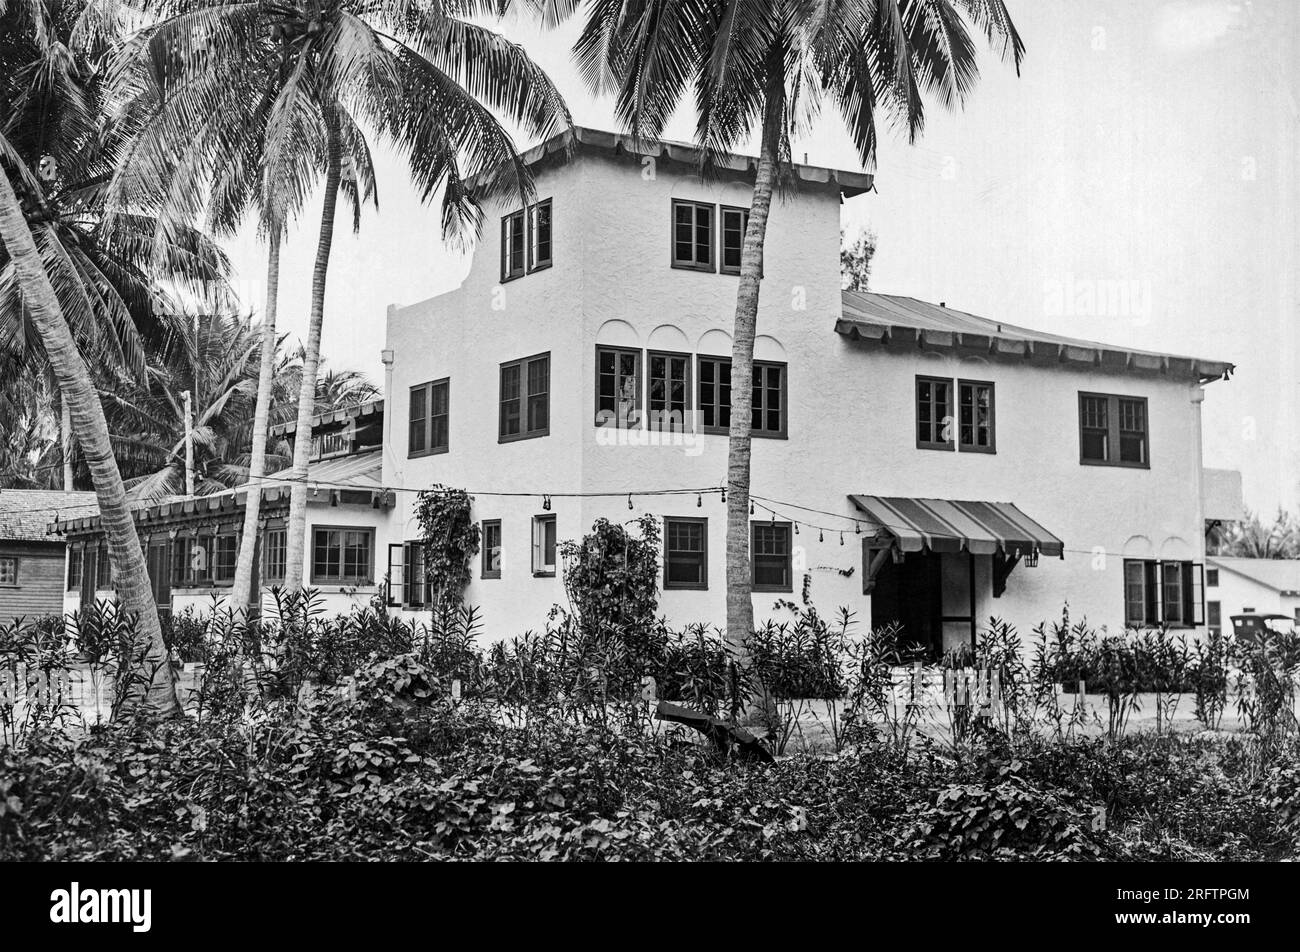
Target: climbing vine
[(450, 539), (612, 575)]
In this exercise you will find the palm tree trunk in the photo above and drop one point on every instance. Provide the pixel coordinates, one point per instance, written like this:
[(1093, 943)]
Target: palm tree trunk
[(243, 596), (296, 533), (154, 684), (740, 605)]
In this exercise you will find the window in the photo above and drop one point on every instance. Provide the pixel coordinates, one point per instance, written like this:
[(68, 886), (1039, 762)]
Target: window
[(342, 556), (768, 400), (491, 548), (1113, 430), (415, 583), (543, 545), (692, 235), (8, 570), (525, 398), (429, 415), (1214, 616), (104, 569), (770, 557), (224, 553), (686, 553), (734, 223), (512, 245), (1162, 593), (618, 387), (670, 392), (539, 236), (75, 554), (975, 416), (191, 561), (1212, 578), (274, 549), (933, 413)]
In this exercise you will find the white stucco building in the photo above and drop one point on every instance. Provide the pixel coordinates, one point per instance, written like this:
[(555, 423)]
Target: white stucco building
[(1235, 586), (911, 462)]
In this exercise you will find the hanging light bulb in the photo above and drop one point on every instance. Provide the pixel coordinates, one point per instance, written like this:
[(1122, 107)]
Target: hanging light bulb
[(821, 536), (724, 493), (796, 528), (751, 507), (841, 538), (699, 500), (629, 500), (857, 527)]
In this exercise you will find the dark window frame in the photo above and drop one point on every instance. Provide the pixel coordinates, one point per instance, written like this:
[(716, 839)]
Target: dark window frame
[(216, 566), (755, 585), (533, 212), (974, 447), (343, 580), (269, 570), (703, 585), (17, 561), (1113, 430), (634, 423), (76, 566), (1191, 602), (723, 212), (692, 263), (715, 429), (486, 570), (509, 271), (1211, 578), (539, 567), (688, 361), (428, 388), (950, 445), (524, 433)]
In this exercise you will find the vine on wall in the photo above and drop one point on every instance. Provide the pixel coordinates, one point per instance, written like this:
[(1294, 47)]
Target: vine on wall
[(450, 540), (612, 576)]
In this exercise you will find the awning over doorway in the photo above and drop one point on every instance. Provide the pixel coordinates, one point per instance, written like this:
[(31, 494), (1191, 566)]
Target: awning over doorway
[(944, 525)]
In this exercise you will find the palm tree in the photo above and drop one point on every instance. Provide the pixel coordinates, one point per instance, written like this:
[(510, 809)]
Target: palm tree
[(1251, 538), (767, 66), (416, 71)]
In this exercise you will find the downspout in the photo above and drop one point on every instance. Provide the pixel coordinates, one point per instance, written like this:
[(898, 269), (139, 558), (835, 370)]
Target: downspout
[(1198, 397), (390, 457)]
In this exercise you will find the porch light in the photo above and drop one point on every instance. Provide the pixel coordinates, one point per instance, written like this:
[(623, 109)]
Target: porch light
[(1031, 559)]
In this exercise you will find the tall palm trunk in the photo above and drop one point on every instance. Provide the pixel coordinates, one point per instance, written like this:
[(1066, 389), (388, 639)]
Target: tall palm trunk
[(244, 596), (154, 683), (740, 605), (296, 533)]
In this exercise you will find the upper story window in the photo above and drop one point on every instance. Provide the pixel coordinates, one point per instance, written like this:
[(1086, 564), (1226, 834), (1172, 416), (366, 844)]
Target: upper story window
[(342, 556), (526, 240), (544, 545), (1113, 430), (525, 398), (975, 416), (618, 387), (770, 557), (686, 552), (933, 413), (693, 235), (768, 401), (429, 414), (1162, 593), (734, 223), (1212, 578), (670, 392)]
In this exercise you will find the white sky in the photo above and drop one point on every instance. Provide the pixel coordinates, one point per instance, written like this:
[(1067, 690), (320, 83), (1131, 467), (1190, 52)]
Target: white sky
[(1136, 185)]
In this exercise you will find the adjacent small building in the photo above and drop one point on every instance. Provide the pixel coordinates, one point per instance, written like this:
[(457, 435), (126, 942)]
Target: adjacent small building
[(1235, 586), (32, 556)]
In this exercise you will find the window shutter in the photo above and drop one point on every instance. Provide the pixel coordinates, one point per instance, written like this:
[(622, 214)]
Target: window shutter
[(396, 587), (1193, 593), (1153, 592)]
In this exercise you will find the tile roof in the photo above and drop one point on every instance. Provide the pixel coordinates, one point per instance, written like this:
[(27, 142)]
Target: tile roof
[(1281, 575), (358, 411), (887, 318), (25, 514)]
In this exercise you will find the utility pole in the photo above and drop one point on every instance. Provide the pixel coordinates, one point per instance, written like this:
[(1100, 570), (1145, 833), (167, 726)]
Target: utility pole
[(189, 443)]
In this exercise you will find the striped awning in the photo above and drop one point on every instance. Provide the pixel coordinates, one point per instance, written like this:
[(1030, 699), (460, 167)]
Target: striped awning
[(946, 525)]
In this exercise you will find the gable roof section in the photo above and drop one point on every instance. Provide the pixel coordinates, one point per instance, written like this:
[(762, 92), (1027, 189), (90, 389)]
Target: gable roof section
[(25, 514), (905, 322), (1281, 575)]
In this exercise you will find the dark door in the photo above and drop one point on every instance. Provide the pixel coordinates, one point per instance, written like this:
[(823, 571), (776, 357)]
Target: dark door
[(89, 573), (160, 575), (909, 594)]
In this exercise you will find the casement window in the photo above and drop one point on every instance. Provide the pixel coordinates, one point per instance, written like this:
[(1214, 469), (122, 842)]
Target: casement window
[(693, 235), (408, 586), (75, 555), (225, 550), (525, 398), (544, 545), (526, 240), (618, 387), (512, 245), (1211, 578), (1214, 616), (734, 223), (103, 569), (1113, 430), (9, 570), (686, 553), (275, 546), (771, 557), (975, 416), (670, 392), (430, 408), (1162, 593), (768, 400), (539, 236), (934, 413), (342, 556), (491, 548), (191, 561)]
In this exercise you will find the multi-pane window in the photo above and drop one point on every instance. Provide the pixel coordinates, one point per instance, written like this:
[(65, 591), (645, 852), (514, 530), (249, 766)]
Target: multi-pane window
[(104, 569), (342, 556), (670, 392), (770, 557), (274, 549), (75, 554), (525, 398), (8, 570), (543, 545), (1214, 616), (512, 245), (192, 561), (539, 235), (934, 413), (1113, 430), (975, 416), (224, 552), (618, 387), (415, 582), (1162, 593), (692, 235), (686, 553), (491, 549), (734, 223), (429, 430), (768, 400)]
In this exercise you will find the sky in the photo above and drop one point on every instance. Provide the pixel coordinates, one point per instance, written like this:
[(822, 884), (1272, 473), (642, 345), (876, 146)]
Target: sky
[(1135, 184)]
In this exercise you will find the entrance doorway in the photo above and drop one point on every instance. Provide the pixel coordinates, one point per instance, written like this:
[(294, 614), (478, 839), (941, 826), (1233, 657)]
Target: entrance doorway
[(931, 597)]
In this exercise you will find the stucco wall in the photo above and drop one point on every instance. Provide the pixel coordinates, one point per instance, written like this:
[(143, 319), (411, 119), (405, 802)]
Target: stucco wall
[(1235, 593)]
